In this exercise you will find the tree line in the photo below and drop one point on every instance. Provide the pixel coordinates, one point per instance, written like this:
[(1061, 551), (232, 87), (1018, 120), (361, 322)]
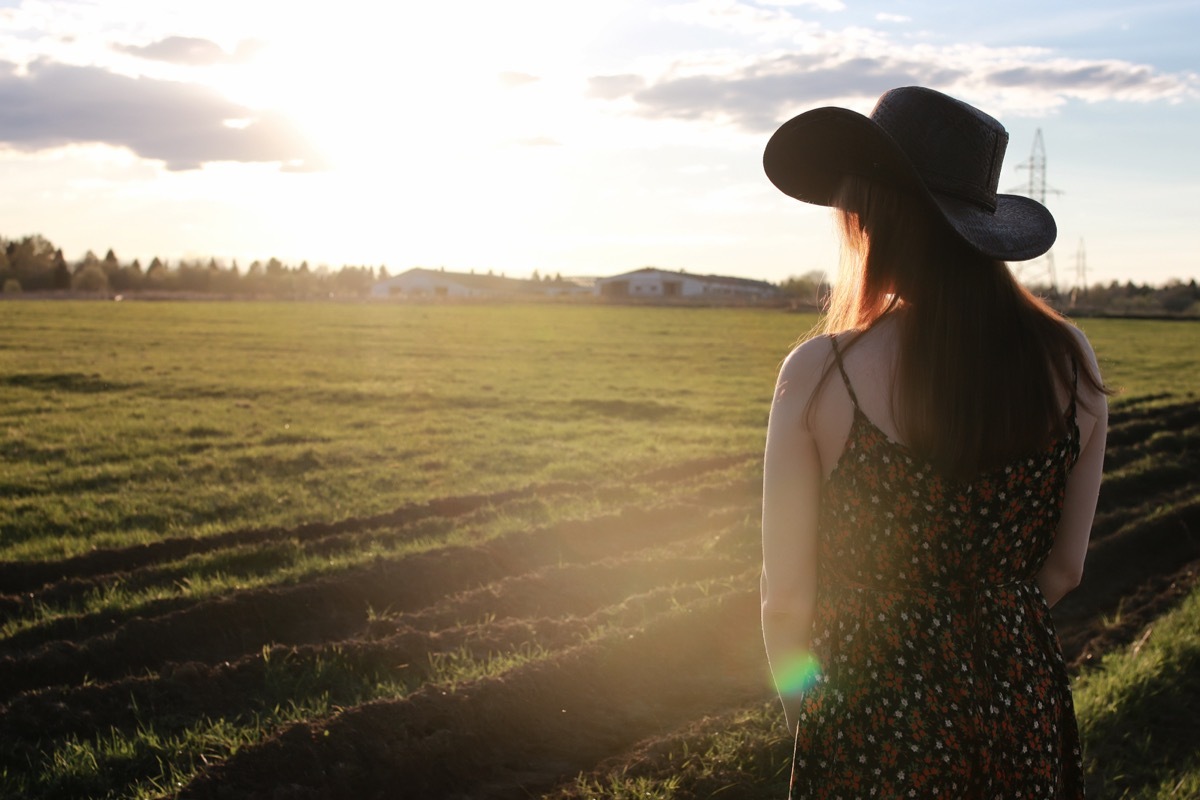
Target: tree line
[(34, 264), (1174, 298)]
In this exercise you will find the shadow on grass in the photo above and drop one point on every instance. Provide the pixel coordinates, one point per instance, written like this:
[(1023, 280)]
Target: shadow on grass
[(1152, 733), (627, 409), (73, 382)]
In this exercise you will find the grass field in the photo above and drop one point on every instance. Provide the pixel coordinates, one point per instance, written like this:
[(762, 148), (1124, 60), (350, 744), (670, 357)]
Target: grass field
[(486, 550)]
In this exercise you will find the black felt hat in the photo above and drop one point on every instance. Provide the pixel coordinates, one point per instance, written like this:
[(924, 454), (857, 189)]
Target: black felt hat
[(939, 148)]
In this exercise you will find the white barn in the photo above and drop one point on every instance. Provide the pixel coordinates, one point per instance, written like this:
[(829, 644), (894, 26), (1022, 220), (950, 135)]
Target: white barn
[(651, 283), (419, 282)]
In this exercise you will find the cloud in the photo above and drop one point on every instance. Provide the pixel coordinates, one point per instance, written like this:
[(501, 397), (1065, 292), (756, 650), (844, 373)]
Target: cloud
[(611, 87), (511, 80), (191, 51), (755, 96), (766, 22), (184, 125), (823, 5), (883, 16), (1093, 80), (536, 141)]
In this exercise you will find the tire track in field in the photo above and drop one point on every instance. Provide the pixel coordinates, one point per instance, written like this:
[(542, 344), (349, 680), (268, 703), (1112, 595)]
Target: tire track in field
[(227, 627), (25, 576), (314, 541), (620, 593), (668, 653), (522, 731), (1148, 521)]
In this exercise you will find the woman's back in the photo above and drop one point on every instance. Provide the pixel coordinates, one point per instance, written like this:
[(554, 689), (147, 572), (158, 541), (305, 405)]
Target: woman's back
[(871, 364), (931, 471), (940, 671), (939, 664)]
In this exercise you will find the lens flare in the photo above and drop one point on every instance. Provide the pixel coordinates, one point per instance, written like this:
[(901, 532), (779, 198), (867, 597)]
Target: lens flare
[(797, 674)]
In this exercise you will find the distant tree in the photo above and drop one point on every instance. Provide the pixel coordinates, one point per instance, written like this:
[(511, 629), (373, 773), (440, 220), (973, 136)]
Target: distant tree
[(535, 276), (1177, 297), (90, 259), (31, 261), (90, 279), (156, 274), (61, 275), (12, 286), (127, 278), (809, 288), (111, 264)]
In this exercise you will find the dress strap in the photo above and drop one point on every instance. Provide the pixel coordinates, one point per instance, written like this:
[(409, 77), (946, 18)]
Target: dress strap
[(837, 355)]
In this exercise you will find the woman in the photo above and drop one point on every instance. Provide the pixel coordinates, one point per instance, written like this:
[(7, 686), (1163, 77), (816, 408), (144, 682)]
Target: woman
[(931, 472)]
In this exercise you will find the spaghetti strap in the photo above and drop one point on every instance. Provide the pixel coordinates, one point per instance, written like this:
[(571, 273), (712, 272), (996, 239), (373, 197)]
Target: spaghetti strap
[(837, 355)]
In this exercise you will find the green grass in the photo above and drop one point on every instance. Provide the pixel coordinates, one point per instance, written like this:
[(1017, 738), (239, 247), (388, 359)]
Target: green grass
[(123, 423), (164, 751), (1137, 712), (1143, 357), (126, 423)]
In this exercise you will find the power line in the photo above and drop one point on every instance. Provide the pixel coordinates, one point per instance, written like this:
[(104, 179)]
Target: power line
[(1039, 270)]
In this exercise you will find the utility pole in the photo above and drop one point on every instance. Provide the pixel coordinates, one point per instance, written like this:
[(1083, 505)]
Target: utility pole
[(1039, 270)]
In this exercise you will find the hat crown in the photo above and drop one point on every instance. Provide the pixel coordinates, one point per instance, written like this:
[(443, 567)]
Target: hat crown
[(957, 149)]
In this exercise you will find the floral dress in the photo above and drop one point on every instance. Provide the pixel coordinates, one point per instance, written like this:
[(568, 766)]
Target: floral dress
[(940, 675)]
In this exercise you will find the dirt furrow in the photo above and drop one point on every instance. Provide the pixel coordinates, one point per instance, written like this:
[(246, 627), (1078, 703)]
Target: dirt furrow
[(335, 607), (26, 576), (18, 577), (520, 732), (1114, 518), (1120, 563), (1130, 428), (184, 693), (573, 588), (1132, 618)]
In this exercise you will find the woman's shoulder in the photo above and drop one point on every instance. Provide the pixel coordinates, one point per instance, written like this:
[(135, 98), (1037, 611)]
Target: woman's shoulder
[(1080, 338), (1083, 350), (810, 355), (801, 372)]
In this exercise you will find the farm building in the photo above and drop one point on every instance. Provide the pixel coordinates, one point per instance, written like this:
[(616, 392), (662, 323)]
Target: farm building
[(420, 282), (651, 283)]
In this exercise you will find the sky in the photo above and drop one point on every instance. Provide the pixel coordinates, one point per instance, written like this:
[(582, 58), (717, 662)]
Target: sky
[(581, 138)]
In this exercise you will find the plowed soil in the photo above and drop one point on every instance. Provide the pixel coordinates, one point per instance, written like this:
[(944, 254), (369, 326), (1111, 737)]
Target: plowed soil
[(637, 629)]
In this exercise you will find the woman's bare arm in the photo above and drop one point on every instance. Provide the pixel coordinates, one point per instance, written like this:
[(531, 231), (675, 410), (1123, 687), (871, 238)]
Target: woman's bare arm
[(1064, 566), (791, 493)]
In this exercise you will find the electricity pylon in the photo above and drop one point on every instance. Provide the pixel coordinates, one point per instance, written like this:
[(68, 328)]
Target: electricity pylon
[(1039, 270)]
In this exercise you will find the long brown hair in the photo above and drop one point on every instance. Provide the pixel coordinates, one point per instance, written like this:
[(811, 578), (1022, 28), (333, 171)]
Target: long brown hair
[(979, 355)]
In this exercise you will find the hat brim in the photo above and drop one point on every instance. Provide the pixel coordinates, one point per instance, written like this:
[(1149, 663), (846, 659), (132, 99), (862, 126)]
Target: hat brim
[(811, 154)]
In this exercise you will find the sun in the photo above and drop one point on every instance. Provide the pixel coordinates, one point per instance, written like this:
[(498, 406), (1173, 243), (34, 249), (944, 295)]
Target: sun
[(443, 127)]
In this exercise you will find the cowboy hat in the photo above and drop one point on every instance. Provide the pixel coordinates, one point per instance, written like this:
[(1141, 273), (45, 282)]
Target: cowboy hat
[(940, 149)]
